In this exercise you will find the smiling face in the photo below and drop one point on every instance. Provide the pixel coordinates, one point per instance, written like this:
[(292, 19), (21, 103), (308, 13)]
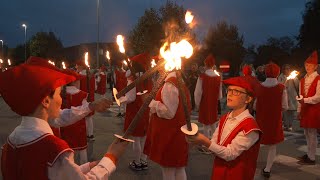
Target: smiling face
[(237, 97)]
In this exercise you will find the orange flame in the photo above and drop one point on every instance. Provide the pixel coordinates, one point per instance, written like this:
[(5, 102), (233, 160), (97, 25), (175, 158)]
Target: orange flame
[(120, 40), (86, 59), (189, 17), (153, 63), (293, 75), (9, 62), (64, 65), (108, 55)]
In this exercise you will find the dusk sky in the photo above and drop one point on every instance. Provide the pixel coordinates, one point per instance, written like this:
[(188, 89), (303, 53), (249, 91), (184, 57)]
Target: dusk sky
[(74, 21)]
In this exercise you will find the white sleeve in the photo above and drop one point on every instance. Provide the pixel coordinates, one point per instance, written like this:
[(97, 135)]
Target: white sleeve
[(198, 92), (130, 96), (239, 144), (65, 168), (214, 137), (170, 99), (285, 105), (299, 105), (314, 99), (98, 79), (72, 115)]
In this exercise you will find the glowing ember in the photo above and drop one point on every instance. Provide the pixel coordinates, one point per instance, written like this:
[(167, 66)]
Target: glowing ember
[(120, 40), (125, 62), (293, 75), (64, 65), (86, 59), (108, 55), (9, 62), (216, 72), (173, 54), (153, 63), (189, 17), (51, 62)]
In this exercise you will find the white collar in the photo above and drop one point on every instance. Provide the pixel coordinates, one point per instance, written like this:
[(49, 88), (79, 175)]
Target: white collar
[(314, 74), (210, 72), (72, 90), (171, 74), (30, 129), (241, 116), (83, 72), (270, 82)]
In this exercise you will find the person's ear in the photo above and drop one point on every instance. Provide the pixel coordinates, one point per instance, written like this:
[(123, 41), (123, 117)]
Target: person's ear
[(249, 99), (45, 102)]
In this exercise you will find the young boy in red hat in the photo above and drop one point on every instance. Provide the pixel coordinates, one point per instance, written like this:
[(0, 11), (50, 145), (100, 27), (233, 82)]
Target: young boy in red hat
[(32, 151), (101, 79), (309, 108), (271, 100), (133, 100), (208, 92), (235, 142), (74, 97), (165, 143), (120, 81), (81, 69)]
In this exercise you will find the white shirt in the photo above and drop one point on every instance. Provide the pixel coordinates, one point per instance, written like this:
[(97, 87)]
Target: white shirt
[(64, 167), (98, 79), (170, 99), (239, 144), (271, 82), (198, 91), (307, 83)]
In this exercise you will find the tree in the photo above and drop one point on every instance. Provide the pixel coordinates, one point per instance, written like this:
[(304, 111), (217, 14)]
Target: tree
[(17, 54), (147, 33), (309, 37), (45, 45), (225, 43)]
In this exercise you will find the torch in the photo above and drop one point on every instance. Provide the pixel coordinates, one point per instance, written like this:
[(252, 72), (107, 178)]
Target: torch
[(63, 65), (87, 75), (9, 62), (120, 43), (292, 76)]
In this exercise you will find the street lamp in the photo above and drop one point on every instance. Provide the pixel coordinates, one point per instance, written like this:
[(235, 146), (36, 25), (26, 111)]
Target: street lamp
[(25, 41), (98, 2), (1, 48)]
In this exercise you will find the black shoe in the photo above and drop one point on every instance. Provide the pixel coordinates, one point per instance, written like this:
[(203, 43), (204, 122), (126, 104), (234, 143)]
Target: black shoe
[(265, 173), (144, 164), (306, 161), (302, 157), (135, 166)]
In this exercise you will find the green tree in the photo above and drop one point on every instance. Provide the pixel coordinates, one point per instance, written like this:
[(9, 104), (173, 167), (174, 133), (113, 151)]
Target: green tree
[(225, 43), (309, 36), (45, 45), (17, 54)]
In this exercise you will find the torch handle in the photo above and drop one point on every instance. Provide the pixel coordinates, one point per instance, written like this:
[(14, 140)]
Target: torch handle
[(296, 88), (88, 84), (145, 105), (183, 96), (145, 76)]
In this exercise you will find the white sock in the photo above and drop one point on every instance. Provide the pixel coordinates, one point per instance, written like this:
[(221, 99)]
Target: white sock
[(83, 157), (181, 174), (137, 149), (168, 173), (271, 156)]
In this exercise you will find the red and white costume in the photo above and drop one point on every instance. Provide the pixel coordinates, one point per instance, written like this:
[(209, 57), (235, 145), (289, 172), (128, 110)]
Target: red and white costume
[(56, 158), (236, 146), (165, 143), (76, 135), (101, 83), (207, 93), (120, 81), (271, 100), (83, 87)]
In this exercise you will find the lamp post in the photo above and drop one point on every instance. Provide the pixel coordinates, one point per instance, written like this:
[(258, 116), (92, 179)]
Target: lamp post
[(25, 41), (1, 48), (98, 3)]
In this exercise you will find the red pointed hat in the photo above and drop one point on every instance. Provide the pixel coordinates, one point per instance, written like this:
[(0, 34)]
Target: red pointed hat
[(143, 59), (210, 60), (73, 73), (241, 82), (246, 70), (272, 70), (38, 61), (24, 87), (313, 58)]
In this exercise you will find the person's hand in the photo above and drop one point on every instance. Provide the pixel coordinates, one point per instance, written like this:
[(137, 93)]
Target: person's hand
[(198, 139), (93, 164), (300, 99), (117, 148), (100, 105)]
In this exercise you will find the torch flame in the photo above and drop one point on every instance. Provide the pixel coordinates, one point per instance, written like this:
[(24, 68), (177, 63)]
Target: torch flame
[(189, 17), (1, 61), (108, 55), (173, 54), (9, 62), (293, 75), (86, 59), (153, 63), (216, 72), (125, 62), (120, 40), (64, 65), (51, 62)]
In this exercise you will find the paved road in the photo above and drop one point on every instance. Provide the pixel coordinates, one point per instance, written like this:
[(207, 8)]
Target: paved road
[(200, 165)]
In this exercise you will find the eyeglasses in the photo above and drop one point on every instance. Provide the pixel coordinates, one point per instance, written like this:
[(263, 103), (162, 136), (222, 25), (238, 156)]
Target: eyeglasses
[(235, 92)]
